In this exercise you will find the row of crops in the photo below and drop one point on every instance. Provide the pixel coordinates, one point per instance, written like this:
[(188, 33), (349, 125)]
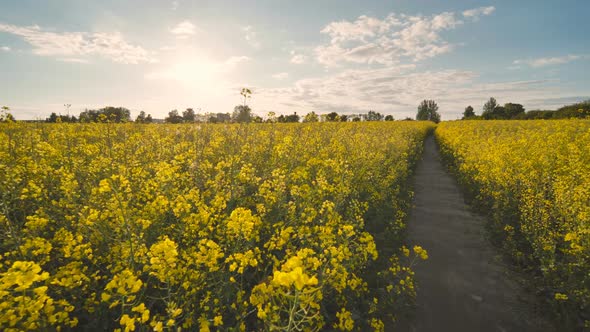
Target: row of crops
[(533, 177), (205, 227)]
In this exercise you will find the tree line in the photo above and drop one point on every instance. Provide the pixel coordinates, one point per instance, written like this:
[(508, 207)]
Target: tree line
[(427, 111), (492, 110)]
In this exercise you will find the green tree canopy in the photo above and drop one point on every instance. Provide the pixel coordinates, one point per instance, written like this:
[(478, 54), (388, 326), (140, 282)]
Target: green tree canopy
[(468, 113), (311, 117), (5, 115), (173, 117), (332, 117), (289, 118), (428, 111), (512, 110), (488, 108), (189, 115), (242, 114), (106, 114), (373, 116)]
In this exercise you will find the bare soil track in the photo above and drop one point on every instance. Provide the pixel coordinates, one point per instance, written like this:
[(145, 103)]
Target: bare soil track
[(464, 285)]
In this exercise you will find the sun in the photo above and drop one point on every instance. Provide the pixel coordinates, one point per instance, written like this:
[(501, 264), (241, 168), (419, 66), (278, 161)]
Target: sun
[(196, 73)]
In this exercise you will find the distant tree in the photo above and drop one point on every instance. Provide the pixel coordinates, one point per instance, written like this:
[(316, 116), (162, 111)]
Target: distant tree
[(408, 119), (577, 110), (332, 117), (389, 118), (116, 114), (141, 117), (257, 119), (88, 116), (189, 115), (512, 110), (5, 115), (271, 117), (537, 115), (106, 114), (428, 111), (356, 119), (173, 117), (246, 93), (292, 118), (499, 113), (223, 117), (343, 118), (54, 118), (469, 113), (288, 118), (242, 114), (311, 117), (488, 108), (373, 116)]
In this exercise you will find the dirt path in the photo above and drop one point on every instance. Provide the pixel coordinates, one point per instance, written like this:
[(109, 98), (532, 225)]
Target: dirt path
[(464, 285)]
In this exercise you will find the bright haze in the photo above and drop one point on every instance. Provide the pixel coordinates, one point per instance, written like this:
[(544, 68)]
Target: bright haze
[(296, 56)]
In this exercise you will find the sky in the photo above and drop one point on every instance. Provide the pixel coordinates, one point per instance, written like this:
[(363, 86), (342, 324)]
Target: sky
[(296, 56)]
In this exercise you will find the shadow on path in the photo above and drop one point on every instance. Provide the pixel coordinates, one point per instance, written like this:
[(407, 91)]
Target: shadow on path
[(464, 285)]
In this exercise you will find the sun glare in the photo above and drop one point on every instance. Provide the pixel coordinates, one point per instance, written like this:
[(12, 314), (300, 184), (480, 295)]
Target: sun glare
[(197, 74)]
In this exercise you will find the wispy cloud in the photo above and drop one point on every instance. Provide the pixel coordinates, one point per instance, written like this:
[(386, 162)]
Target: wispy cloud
[(5, 49), (476, 13), (251, 36), (387, 41), (184, 29), (398, 90), (236, 60), (298, 59), (74, 44), (74, 60), (549, 61), (280, 76)]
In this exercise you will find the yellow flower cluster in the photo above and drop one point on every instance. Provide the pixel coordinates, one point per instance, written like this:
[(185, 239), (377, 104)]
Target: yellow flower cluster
[(211, 227), (534, 178), (25, 304)]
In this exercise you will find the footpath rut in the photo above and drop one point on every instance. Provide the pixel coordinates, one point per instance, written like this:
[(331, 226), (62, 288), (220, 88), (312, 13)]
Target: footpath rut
[(464, 285)]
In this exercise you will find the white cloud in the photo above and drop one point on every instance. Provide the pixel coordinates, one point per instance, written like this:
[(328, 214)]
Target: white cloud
[(298, 59), (280, 76), (5, 49), (74, 60), (398, 90), (184, 29), (370, 40), (250, 36), (235, 60), (543, 62), (175, 5), (476, 13), (71, 44)]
